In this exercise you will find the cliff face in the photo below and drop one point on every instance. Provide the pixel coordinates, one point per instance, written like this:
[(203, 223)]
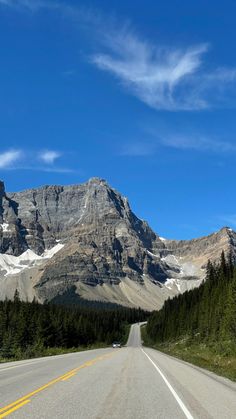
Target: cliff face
[(55, 212), (12, 239), (205, 248), (98, 247)]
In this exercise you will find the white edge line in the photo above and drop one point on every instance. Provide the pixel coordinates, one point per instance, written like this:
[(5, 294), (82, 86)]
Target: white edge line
[(177, 398), (37, 360), (34, 361), (18, 366)]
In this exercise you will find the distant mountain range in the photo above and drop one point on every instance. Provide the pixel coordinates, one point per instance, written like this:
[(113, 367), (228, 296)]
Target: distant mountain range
[(84, 240)]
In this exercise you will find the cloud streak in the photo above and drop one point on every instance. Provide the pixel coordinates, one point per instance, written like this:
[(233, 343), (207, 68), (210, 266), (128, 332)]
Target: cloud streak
[(163, 78), (197, 143), (27, 4), (19, 160), (47, 169), (192, 142), (138, 149), (74, 13), (9, 158), (49, 156)]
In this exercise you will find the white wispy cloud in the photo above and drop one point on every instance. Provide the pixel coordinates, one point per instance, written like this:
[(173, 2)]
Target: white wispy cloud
[(19, 160), (138, 149), (162, 77), (9, 158), (197, 143), (56, 170), (74, 13), (47, 169), (49, 156), (186, 142), (27, 4)]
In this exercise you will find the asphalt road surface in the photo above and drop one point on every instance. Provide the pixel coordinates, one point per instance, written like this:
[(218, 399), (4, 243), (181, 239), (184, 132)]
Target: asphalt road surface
[(127, 383)]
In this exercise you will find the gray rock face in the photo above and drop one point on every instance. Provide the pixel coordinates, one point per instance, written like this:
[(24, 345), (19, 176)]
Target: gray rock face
[(2, 194), (53, 213), (205, 248), (109, 243), (11, 230), (105, 244)]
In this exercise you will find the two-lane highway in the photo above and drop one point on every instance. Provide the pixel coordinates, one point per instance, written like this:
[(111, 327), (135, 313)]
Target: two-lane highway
[(128, 383)]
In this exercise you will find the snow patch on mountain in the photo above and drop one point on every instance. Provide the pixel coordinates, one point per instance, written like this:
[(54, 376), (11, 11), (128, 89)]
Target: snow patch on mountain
[(152, 254), (171, 260), (5, 227), (186, 269), (49, 253), (172, 282), (178, 285), (10, 265)]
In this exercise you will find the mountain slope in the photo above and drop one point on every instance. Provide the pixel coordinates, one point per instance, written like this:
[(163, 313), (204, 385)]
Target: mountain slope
[(86, 238)]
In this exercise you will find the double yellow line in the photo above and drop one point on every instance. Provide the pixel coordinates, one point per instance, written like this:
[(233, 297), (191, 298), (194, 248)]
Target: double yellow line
[(10, 408)]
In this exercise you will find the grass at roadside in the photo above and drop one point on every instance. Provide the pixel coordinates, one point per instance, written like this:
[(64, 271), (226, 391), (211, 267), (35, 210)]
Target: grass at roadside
[(218, 357)]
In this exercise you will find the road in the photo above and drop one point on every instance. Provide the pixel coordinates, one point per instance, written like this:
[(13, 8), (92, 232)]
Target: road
[(128, 383)]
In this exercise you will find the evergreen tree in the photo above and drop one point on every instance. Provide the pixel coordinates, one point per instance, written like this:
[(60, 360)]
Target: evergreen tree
[(27, 329), (205, 314)]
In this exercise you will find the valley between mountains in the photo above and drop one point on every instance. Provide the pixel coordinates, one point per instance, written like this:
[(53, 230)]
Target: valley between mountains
[(62, 243)]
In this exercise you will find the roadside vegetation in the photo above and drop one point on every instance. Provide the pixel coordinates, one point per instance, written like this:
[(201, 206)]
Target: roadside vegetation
[(199, 326), (31, 329)]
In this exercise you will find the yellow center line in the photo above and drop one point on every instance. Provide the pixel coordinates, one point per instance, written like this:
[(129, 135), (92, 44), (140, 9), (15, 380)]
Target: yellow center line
[(23, 400), (72, 372), (18, 406), (68, 376), (88, 364)]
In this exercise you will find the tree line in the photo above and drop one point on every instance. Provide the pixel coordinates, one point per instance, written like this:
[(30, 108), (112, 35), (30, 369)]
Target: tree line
[(204, 314), (27, 329)]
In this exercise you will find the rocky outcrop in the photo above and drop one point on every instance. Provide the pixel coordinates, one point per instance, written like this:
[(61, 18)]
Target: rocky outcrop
[(55, 212), (104, 248), (200, 250), (12, 232), (109, 243)]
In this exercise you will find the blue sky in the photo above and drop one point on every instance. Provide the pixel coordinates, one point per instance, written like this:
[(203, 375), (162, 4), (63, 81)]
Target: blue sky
[(142, 95)]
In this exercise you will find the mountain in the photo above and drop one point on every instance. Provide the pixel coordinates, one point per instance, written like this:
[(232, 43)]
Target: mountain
[(84, 240)]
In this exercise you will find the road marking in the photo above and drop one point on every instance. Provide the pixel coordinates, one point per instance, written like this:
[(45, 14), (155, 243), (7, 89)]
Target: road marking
[(72, 372), (177, 398), (46, 358), (18, 366), (20, 402), (18, 406), (68, 376)]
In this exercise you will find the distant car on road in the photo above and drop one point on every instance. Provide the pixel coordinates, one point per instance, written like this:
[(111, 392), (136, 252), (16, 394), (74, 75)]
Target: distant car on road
[(116, 345)]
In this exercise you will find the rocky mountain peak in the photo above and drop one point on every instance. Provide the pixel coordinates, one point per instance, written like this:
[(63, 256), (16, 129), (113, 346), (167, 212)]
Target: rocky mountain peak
[(51, 213), (102, 201), (226, 230), (97, 181), (86, 237), (226, 236)]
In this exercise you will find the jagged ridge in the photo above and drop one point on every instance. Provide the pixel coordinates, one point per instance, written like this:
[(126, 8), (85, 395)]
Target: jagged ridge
[(103, 245)]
